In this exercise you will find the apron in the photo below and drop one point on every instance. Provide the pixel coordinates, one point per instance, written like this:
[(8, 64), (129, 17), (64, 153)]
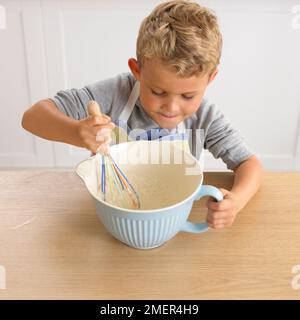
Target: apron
[(178, 136)]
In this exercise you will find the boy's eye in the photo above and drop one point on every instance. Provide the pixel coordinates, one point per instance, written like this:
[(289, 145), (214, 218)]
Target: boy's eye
[(163, 93), (187, 98), (157, 93)]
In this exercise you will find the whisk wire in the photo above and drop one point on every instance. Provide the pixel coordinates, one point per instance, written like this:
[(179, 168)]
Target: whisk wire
[(114, 184), (114, 176), (115, 187), (103, 177), (119, 170), (131, 192)]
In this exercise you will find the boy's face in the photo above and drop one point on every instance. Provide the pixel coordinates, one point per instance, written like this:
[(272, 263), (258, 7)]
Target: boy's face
[(167, 98)]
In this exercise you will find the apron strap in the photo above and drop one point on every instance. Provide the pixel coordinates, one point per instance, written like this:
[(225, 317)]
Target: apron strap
[(124, 116)]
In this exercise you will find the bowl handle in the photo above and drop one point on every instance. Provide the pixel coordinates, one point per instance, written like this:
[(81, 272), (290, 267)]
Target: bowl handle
[(205, 190)]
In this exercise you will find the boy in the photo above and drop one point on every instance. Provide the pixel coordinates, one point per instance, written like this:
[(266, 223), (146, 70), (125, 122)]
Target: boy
[(178, 51)]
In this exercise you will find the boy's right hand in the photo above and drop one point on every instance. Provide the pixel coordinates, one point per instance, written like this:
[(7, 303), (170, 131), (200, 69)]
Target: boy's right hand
[(95, 133)]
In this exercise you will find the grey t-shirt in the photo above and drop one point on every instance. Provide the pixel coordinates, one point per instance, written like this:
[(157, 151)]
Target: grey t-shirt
[(208, 127)]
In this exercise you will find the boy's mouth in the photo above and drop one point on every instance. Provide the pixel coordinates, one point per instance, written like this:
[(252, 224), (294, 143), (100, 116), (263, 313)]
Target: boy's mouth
[(168, 116), (169, 121)]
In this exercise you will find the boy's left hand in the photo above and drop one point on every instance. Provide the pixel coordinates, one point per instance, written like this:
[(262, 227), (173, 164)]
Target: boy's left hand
[(222, 214)]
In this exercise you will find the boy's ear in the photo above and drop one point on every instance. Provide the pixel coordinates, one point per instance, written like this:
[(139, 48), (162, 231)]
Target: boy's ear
[(213, 75), (134, 67)]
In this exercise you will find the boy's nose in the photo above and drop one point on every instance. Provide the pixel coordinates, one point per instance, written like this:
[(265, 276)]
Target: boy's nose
[(171, 107)]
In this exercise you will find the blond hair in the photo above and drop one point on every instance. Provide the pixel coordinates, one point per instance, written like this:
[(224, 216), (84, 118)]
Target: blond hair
[(183, 35)]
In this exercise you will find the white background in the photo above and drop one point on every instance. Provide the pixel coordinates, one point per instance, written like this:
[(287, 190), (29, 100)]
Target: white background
[(49, 45)]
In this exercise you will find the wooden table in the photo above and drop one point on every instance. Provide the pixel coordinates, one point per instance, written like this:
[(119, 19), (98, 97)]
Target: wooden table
[(64, 252)]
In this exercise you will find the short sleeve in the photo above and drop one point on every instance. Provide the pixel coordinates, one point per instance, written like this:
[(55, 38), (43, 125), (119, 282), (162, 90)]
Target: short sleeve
[(72, 102), (111, 94)]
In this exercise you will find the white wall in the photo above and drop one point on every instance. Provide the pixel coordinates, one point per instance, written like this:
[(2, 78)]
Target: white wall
[(49, 45)]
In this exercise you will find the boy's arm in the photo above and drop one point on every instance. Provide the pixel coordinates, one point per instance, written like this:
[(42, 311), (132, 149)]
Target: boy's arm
[(247, 179), (46, 121)]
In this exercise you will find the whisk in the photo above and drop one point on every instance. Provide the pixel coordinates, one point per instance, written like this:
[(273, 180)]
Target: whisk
[(113, 186)]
